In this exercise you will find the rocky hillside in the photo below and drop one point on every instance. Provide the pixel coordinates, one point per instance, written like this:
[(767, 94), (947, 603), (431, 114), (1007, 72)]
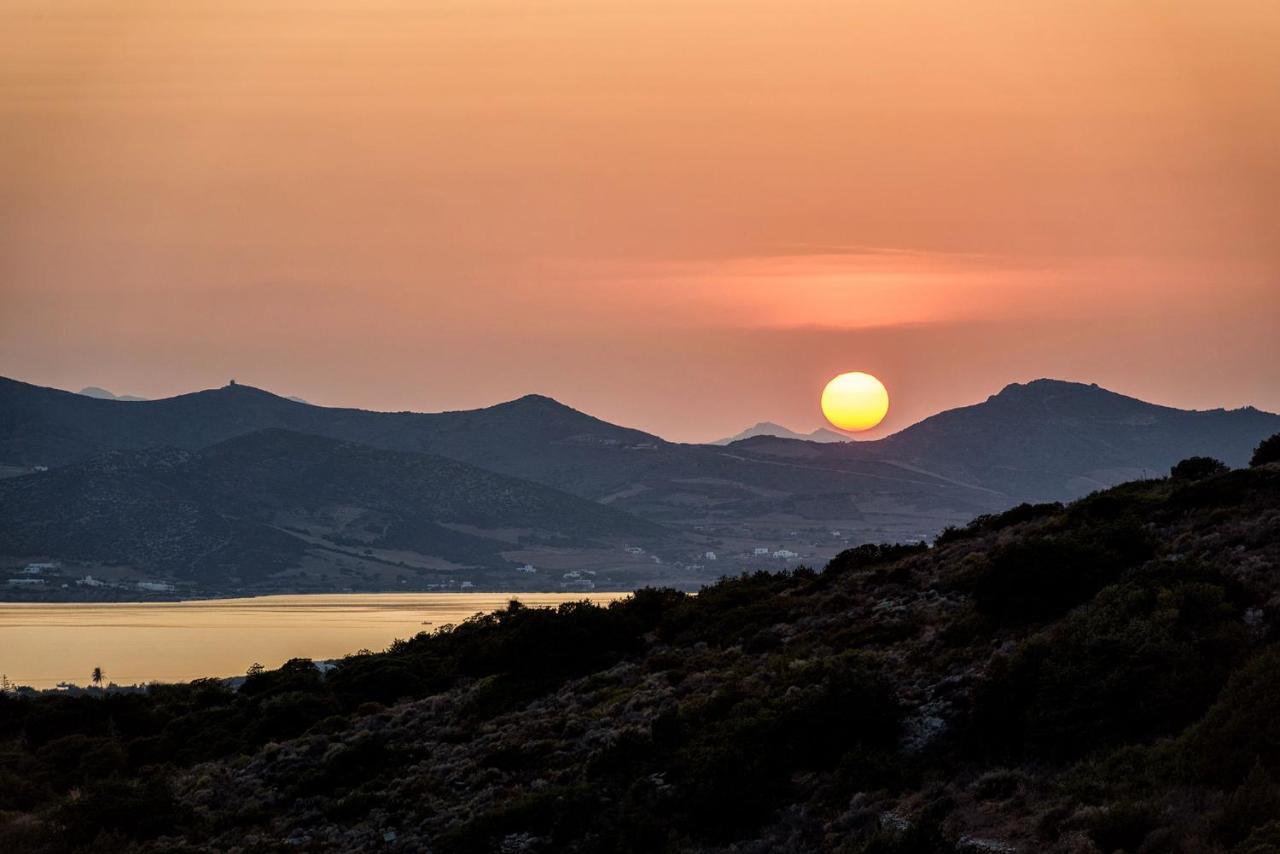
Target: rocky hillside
[(1097, 677)]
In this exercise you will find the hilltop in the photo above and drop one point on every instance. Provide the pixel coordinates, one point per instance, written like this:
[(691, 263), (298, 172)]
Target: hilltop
[(1092, 677)]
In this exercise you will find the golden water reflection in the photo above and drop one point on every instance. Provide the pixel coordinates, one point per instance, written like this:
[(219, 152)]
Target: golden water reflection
[(42, 644)]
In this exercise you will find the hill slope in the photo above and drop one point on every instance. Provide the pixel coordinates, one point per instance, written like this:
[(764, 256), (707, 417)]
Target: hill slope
[(1099, 677), (243, 510)]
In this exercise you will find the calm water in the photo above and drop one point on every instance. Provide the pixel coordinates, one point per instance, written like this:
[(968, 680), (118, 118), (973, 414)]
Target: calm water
[(44, 644)]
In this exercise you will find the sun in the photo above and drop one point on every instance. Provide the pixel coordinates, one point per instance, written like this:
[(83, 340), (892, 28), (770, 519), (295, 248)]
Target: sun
[(855, 401)]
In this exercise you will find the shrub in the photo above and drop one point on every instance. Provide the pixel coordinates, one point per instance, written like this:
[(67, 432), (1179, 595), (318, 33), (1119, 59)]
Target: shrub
[(1197, 468), (131, 810), (1143, 659), (1268, 451), (1123, 826), (1241, 728), (287, 715), (1034, 579), (870, 555)]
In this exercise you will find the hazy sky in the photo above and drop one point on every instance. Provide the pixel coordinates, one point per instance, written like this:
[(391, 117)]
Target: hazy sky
[(682, 216)]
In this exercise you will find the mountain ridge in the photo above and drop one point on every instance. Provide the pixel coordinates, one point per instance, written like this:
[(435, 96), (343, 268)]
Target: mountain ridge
[(1046, 440)]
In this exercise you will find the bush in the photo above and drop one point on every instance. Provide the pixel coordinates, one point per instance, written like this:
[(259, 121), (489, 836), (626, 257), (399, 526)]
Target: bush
[(1241, 728), (1142, 660), (868, 556), (1031, 580), (117, 808), (1197, 468), (1268, 451)]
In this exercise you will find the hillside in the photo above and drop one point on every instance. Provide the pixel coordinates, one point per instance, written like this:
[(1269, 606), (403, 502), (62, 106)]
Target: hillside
[(331, 514), (1097, 677)]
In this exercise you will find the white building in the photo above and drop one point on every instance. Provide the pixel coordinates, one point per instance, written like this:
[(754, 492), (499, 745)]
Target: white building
[(709, 555), (38, 568), (785, 553), (759, 552), (90, 581), (156, 586), (26, 582), (527, 569)]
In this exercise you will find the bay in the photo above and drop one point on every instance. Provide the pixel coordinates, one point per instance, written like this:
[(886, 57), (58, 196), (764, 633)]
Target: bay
[(43, 644)]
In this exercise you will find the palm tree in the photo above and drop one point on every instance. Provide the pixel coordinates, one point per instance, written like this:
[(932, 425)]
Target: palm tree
[(96, 677)]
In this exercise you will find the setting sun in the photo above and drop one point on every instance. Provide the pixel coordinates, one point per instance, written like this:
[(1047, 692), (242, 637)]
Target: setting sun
[(855, 401)]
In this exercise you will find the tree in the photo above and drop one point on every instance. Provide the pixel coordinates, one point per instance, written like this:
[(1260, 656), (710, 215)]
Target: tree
[(96, 677), (1268, 451), (1197, 468), (255, 669)]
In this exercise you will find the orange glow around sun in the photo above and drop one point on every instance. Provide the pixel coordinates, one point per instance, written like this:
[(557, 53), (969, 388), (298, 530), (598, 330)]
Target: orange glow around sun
[(855, 401)]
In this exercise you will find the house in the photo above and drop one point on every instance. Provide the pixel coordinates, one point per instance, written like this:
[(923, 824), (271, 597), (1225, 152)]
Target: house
[(156, 586), (709, 555), (467, 585), (38, 568), (634, 550), (785, 553), (760, 552), (26, 582), (90, 581), (527, 569), (573, 574)]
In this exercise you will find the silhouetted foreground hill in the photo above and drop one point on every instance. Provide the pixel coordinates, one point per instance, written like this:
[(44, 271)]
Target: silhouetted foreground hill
[(238, 512), (1098, 677)]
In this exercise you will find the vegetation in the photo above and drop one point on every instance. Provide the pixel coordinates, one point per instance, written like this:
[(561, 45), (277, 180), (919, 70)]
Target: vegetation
[(1268, 451), (1196, 468), (1096, 677)]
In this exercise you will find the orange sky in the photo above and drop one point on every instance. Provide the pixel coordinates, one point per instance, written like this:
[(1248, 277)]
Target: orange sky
[(684, 216)]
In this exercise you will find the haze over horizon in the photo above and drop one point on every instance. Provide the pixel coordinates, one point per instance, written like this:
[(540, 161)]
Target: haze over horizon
[(683, 218)]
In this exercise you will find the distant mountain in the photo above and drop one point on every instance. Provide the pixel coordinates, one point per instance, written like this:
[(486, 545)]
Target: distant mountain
[(103, 394), (1052, 440), (44, 426), (272, 501), (1041, 441), (768, 428)]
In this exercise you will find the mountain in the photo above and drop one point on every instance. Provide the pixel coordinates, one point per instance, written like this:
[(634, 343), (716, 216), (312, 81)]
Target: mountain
[(327, 514), (1098, 677), (768, 428), (744, 499), (1049, 440), (103, 394), (1041, 441)]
